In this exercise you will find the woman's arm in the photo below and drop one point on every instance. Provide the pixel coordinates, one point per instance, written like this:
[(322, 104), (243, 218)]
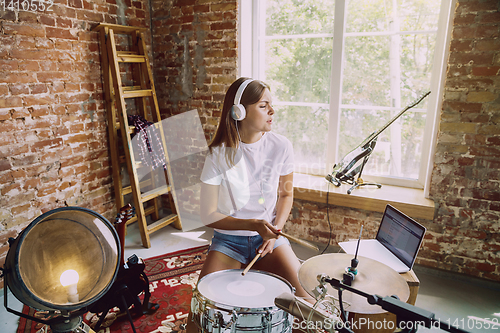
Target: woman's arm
[(283, 208), (212, 218), (285, 200)]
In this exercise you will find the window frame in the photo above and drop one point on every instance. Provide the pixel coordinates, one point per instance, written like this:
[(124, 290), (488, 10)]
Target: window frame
[(250, 56)]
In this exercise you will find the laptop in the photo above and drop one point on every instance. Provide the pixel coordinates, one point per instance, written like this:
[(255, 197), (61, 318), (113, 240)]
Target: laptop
[(396, 244)]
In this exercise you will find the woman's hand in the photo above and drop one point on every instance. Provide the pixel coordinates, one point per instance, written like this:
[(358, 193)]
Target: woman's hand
[(269, 233), (266, 247), (266, 230)]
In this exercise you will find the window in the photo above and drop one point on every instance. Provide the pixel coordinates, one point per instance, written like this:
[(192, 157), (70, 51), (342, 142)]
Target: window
[(340, 70)]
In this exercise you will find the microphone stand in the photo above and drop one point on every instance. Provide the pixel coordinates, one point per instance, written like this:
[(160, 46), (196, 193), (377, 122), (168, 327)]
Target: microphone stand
[(354, 162), (404, 312)]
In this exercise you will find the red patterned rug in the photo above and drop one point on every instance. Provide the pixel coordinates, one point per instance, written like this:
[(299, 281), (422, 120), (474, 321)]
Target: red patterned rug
[(172, 278)]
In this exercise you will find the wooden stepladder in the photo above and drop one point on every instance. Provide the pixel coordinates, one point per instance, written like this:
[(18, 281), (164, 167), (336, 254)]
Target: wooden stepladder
[(129, 89)]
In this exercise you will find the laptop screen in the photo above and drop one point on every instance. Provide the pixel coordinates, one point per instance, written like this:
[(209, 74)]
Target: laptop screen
[(401, 235)]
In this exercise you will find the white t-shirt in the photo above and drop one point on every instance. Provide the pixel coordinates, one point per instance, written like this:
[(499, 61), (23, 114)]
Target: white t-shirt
[(249, 189)]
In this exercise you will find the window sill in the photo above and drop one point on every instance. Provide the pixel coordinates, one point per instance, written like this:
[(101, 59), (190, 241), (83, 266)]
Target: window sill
[(411, 201)]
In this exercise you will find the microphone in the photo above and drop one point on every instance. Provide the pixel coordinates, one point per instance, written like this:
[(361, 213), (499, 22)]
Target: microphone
[(303, 310)]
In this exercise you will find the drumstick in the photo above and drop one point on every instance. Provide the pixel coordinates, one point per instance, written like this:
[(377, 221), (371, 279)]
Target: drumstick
[(299, 241), (250, 264)]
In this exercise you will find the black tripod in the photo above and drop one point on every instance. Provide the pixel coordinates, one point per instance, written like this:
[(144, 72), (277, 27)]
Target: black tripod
[(124, 292)]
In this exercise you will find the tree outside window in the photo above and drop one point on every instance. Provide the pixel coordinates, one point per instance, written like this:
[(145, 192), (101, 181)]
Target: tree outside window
[(340, 70)]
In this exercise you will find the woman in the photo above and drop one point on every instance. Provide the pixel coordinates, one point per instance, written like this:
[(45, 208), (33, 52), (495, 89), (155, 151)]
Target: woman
[(247, 187)]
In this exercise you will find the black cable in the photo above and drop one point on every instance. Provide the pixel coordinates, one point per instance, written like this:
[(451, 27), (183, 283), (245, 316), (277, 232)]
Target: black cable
[(341, 305), (328, 218)]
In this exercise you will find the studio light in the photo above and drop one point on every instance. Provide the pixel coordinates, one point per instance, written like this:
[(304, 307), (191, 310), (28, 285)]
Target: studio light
[(63, 262)]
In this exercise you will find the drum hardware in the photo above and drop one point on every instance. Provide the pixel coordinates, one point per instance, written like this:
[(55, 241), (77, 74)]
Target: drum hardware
[(234, 318), (320, 291), (352, 271), (354, 162), (309, 313), (404, 312), (323, 313), (224, 301), (219, 322), (375, 278), (267, 322), (321, 294), (364, 294)]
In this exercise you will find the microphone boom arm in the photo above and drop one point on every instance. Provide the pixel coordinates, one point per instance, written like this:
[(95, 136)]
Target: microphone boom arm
[(402, 310)]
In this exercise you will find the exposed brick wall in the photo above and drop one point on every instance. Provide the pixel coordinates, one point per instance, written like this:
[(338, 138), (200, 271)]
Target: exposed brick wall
[(309, 220), (195, 56), (53, 132), (466, 175), (195, 61)]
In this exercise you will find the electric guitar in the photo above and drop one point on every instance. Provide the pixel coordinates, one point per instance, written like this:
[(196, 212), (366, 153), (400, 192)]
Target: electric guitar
[(125, 214), (354, 161)]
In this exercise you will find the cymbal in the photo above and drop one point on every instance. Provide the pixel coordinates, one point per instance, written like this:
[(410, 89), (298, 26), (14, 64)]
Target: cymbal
[(373, 278)]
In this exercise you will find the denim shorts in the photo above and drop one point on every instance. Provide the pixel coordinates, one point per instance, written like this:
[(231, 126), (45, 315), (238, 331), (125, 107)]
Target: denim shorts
[(241, 248)]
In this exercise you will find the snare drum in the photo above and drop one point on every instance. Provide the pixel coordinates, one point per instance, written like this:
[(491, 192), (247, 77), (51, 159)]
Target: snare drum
[(226, 301)]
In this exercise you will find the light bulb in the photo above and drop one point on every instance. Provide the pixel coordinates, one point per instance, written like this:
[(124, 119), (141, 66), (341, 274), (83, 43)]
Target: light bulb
[(69, 280), (69, 277)]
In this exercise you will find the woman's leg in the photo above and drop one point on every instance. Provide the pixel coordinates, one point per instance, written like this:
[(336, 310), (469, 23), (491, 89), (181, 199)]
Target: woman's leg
[(215, 261), (218, 261), (283, 262)]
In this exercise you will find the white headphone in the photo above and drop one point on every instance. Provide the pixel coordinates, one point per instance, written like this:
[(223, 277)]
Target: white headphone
[(238, 111)]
